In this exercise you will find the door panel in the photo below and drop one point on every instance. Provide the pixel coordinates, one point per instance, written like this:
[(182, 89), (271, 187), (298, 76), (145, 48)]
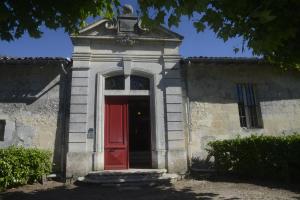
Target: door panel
[(116, 133)]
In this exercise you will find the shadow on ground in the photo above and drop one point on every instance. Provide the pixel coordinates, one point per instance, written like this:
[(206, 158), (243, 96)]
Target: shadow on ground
[(292, 187), (185, 190), (98, 192)]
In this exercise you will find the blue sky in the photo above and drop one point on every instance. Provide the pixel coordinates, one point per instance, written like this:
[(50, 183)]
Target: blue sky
[(58, 43)]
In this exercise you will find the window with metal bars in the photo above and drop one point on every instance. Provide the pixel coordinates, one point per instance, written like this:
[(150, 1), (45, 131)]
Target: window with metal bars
[(2, 129), (249, 107)]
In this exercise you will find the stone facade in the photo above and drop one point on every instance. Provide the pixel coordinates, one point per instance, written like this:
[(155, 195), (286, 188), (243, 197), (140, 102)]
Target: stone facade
[(33, 105), (58, 105), (213, 108), (102, 51)]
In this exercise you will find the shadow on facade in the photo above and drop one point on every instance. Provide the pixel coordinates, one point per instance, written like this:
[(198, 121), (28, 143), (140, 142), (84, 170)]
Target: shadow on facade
[(33, 90), (26, 84), (216, 83)]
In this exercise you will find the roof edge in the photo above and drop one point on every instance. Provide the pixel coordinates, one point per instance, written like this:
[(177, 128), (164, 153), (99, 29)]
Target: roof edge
[(225, 60), (33, 60)]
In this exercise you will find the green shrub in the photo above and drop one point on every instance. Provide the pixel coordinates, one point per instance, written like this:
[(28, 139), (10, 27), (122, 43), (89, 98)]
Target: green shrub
[(264, 157), (20, 166)]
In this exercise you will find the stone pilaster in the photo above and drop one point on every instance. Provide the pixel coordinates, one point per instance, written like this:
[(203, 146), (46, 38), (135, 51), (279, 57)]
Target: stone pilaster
[(176, 156), (79, 161)]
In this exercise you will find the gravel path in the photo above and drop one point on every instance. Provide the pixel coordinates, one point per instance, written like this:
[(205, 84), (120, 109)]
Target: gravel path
[(185, 189)]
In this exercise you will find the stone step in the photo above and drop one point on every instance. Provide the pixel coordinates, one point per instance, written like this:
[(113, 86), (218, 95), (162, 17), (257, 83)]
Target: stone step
[(128, 172), (131, 176)]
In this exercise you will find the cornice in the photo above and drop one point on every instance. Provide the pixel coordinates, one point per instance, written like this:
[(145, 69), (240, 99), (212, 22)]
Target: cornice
[(94, 57), (131, 38)]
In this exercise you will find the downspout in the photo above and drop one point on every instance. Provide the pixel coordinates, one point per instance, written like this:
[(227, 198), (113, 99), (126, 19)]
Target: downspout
[(187, 110), (66, 69)]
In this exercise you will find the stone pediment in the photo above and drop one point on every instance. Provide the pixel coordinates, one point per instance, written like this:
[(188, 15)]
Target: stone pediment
[(126, 26)]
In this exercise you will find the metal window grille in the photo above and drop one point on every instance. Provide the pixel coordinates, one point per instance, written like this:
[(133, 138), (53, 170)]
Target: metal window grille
[(249, 107), (2, 129)]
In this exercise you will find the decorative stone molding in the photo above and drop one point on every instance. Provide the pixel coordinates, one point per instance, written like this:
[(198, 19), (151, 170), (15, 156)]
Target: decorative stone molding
[(111, 24), (126, 41), (127, 65), (127, 9), (119, 57), (141, 28)]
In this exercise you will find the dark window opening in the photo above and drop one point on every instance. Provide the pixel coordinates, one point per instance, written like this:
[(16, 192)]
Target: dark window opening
[(249, 107), (139, 83), (115, 83), (2, 129)]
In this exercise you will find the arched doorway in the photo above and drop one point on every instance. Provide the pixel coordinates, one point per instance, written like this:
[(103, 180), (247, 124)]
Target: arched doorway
[(127, 124)]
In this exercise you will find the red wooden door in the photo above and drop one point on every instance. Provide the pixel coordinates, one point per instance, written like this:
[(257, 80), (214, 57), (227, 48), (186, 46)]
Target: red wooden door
[(116, 133)]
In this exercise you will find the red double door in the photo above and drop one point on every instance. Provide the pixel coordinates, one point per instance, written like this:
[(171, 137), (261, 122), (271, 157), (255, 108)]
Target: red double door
[(116, 133)]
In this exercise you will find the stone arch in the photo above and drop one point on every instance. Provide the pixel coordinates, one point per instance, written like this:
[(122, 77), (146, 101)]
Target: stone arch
[(100, 95)]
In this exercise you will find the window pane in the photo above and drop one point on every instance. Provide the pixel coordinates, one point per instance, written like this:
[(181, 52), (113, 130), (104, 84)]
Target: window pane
[(115, 83), (139, 83)]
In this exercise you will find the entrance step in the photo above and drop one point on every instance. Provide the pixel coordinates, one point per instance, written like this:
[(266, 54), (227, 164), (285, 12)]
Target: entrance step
[(130, 176)]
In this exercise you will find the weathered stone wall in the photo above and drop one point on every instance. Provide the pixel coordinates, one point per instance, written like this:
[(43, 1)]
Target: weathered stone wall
[(214, 109), (33, 103)]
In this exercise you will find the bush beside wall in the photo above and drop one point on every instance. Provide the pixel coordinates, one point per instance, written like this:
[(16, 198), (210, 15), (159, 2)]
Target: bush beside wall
[(263, 157), (20, 166)]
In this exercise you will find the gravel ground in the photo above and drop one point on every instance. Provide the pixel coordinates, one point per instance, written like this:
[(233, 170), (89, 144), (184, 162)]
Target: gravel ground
[(185, 189)]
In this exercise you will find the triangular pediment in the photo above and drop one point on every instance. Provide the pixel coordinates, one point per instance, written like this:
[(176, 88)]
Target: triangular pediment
[(104, 28)]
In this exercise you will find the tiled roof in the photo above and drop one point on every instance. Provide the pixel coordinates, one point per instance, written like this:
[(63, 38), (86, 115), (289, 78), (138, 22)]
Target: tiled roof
[(195, 59), (225, 60), (33, 60)]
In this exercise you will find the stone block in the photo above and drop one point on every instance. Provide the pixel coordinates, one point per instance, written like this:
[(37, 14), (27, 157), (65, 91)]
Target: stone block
[(77, 137), (158, 159), (175, 126), (78, 99), (78, 109), (79, 90), (98, 158), (80, 74), (176, 144), (77, 127), (79, 81), (173, 90), (78, 118), (174, 99), (175, 135), (174, 117), (177, 161), (78, 164), (174, 107), (77, 147), (127, 64)]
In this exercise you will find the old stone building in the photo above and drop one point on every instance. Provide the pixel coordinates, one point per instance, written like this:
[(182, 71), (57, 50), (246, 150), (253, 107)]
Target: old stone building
[(129, 100)]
